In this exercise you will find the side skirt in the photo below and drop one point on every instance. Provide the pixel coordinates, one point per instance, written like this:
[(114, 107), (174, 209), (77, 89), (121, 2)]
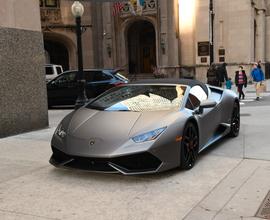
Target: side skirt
[(222, 131)]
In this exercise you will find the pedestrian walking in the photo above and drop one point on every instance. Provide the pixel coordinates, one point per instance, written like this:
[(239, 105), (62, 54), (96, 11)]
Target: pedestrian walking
[(241, 81), (222, 75), (260, 64), (212, 78), (257, 76), (229, 83)]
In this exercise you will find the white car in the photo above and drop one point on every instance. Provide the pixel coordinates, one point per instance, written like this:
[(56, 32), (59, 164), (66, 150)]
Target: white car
[(52, 71)]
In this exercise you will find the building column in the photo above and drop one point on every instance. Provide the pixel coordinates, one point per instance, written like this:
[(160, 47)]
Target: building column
[(97, 32), (267, 52), (108, 36), (163, 46), (261, 33)]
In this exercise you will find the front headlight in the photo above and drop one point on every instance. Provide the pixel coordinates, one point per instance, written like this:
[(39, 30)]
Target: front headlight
[(149, 136), (60, 132)]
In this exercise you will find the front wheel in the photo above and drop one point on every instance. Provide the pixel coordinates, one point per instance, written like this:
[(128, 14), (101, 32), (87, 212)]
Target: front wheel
[(189, 146), (235, 121)]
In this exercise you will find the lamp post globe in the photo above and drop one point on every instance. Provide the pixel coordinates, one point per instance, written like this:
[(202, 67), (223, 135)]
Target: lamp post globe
[(77, 10)]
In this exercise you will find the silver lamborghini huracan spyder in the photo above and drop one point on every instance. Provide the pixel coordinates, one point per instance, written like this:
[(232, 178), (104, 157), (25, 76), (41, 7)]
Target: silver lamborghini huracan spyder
[(146, 127)]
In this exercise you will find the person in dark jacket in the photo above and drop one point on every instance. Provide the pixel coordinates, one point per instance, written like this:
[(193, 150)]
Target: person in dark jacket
[(259, 64), (212, 75), (222, 74), (258, 77), (241, 81)]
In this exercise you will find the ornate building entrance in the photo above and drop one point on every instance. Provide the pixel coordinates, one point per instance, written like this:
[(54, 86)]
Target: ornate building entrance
[(57, 53), (141, 38)]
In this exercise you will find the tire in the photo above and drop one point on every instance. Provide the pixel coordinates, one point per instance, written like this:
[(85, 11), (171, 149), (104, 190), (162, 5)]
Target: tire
[(189, 146), (235, 121)]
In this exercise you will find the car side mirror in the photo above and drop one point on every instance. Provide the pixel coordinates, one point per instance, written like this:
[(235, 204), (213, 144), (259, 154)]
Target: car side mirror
[(205, 104)]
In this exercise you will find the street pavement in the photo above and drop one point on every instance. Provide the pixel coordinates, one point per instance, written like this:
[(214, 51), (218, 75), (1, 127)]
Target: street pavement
[(250, 96), (229, 181)]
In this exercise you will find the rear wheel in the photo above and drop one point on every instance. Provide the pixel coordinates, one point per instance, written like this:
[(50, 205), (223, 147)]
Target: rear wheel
[(189, 146), (235, 121)]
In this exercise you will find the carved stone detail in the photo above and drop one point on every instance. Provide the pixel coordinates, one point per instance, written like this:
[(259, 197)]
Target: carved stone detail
[(50, 15)]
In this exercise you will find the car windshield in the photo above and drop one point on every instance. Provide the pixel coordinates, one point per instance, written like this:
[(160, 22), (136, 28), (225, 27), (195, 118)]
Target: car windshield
[(140, 98)]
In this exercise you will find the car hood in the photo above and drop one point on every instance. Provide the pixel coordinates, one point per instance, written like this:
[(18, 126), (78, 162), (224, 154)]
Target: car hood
[(108, 130), (88, 122)]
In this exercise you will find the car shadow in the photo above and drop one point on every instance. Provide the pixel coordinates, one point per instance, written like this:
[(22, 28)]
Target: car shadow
[(114, 177), (61, 107)]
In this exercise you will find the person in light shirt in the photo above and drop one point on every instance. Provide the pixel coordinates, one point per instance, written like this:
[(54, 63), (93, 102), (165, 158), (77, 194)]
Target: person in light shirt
[(258, 77)]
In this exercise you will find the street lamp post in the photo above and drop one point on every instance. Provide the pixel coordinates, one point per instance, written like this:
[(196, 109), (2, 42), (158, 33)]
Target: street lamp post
[(77, 11), (211, 30)]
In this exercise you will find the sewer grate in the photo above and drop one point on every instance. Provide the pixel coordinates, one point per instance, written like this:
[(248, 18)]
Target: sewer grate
[(264, 209)]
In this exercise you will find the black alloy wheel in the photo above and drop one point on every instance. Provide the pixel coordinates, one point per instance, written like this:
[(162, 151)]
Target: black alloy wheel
[(189, 146), (235, 121)]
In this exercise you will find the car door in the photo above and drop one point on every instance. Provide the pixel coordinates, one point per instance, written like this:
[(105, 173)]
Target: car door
[(63, 89), (209, 119)]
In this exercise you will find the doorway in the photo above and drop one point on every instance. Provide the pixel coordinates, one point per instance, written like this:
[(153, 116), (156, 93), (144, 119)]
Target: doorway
[(141, 47), (57, 53)]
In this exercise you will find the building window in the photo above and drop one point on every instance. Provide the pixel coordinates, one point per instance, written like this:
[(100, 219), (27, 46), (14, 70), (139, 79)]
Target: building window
[(49, 3)]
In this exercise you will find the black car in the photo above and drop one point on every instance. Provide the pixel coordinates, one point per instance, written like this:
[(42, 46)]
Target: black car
[(62, 90)]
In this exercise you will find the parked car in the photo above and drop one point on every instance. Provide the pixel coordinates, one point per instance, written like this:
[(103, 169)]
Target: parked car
[(63, 89), (146, 127), (52, 71)]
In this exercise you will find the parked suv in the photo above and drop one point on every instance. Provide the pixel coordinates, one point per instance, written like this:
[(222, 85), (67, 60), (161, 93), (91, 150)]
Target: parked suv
[(52, 71), (63, 89)]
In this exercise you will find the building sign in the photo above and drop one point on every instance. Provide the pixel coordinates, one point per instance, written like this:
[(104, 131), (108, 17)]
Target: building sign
[(203, 48), (203, 59), (221, 52), (221, 59)]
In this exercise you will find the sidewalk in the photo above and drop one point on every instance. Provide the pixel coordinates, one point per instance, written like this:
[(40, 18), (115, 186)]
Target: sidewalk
[(250, 92), (230, 180)]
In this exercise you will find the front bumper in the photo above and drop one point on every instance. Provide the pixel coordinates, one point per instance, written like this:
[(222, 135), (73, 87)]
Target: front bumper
[(138, 163)]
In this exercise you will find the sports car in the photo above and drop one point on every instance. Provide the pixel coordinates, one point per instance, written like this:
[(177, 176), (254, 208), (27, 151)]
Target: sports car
[(146, 127)]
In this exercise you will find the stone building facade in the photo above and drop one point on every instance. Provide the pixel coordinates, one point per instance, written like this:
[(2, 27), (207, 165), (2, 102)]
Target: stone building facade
[(23, 100), (170, 34), (58, 27)]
